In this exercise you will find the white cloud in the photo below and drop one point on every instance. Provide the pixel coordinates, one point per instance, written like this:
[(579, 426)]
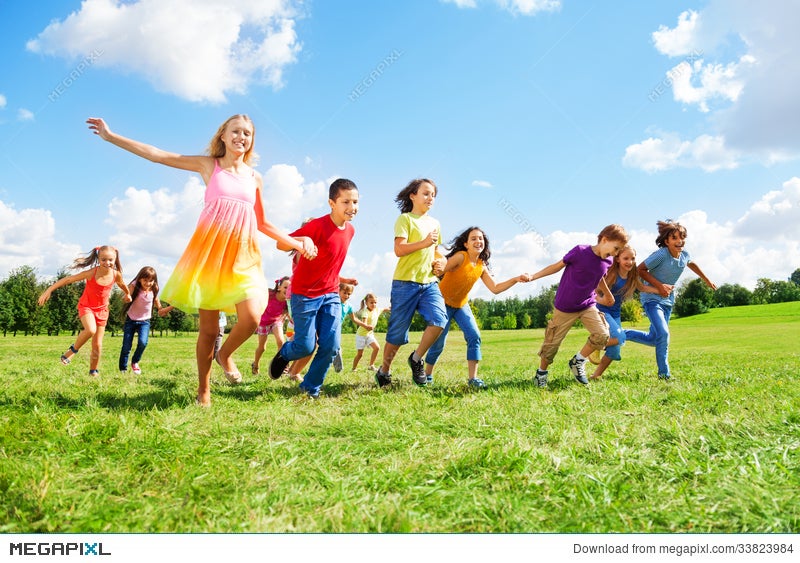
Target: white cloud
[(524, 7), (750, 64), (3, 101), (28, 238), (775, 216), (25, 115), (658, 154), (715, 81), (680, 40), (199, 50), (289, 200), (482, 184)]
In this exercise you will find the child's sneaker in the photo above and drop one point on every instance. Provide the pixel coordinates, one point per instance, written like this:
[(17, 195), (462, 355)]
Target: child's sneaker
[(664, 376), (477, 383), (417, 370), (370, 368), (136, 369), (337, 361), (383, 379), (429, 379), (578, 369), (540, 378)]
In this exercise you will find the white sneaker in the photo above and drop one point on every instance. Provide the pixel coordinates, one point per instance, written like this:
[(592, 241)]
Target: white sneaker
[(136, 369)]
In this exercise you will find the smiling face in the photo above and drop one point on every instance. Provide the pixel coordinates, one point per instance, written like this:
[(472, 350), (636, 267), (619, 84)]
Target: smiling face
[(371, 303), (626, 260), (238, 136), (107, 258), (675, 243), (423, 200), (475, 242), (345, 207), (146, 283), (280, 293), (609, 247)]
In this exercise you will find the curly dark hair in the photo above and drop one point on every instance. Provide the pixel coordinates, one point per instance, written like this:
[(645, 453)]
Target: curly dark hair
[(459, 243)]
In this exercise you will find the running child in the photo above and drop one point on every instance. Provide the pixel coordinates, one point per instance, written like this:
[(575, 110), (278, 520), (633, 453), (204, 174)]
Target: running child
[(137, 313), (275, 314), (623, 281), (220, 270), (661, 271), (415, 284), (345, 291), (104, 271), (315, 302), (467, 262), (366, 319), (584, 267)]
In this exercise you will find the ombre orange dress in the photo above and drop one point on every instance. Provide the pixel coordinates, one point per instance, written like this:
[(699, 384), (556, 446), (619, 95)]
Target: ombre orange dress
[(221, 265)]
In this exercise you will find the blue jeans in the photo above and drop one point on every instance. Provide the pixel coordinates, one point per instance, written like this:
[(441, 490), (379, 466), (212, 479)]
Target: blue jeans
[(408, 297), (317, 321), (129, 329), (658, 336), (614, 331), (466, 321)]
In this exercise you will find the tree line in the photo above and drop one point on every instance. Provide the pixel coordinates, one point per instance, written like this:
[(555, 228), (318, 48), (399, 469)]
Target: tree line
[(19, 312)]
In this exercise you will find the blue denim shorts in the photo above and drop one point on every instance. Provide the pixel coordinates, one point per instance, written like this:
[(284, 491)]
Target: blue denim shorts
[(408, 297)]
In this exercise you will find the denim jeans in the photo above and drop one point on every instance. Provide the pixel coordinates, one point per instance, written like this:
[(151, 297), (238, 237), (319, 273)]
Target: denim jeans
[(466, 322), (408, 297), (615, 331), (129, 329), (317, 321), (658, 336)]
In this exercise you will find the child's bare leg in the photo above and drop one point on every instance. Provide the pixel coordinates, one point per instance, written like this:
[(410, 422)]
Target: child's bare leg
[(89, 328), (605, 361), (374, 356), (297, 367), (248, 314), (208, 328), (587, 349), (389, 352), (97, 347), (429, 336), (260, 347), (472, 369), (357, 358)]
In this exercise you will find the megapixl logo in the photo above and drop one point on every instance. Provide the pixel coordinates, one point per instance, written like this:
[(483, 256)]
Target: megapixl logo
[(56, 548)]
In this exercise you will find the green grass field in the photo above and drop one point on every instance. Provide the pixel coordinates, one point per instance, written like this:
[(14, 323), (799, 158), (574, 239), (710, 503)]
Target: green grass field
[(715, 450)]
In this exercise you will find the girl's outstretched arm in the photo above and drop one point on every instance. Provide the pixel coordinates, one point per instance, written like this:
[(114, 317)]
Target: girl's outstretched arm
[(495, 287), (86, 274), (204, 165), (696, 269), (303, 245)]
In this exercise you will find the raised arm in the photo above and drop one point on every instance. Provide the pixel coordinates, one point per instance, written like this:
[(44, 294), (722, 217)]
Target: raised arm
[(696, 269), (86, 274), (548, 270), (203, 165), (304, 245), (663, 289), (403, 248)]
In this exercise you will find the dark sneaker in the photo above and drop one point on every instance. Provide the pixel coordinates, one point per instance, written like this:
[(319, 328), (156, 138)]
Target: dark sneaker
[(277, 366), (337, 361), (664, 376), (540, 378), (383, 379), (477, 383), (417, 370), (578, 369)]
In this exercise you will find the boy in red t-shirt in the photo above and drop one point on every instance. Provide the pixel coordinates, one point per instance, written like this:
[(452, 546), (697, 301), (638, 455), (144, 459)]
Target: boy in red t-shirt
[(315, 303)]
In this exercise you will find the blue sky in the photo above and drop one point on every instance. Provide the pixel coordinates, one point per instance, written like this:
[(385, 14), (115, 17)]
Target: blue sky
[(540, 120)]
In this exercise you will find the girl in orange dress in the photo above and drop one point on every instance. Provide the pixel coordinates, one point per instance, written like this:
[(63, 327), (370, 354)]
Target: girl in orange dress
[(93, 304), (220, 270)]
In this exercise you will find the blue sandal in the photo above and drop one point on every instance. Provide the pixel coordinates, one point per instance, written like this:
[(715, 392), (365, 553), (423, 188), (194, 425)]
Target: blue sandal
[(64, 359)]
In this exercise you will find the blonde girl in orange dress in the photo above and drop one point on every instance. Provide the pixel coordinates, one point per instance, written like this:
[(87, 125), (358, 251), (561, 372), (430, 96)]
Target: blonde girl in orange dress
[(220, 270), (105, 271)]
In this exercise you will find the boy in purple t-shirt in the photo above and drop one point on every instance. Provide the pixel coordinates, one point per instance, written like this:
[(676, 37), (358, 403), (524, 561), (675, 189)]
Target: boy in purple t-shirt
[(584, 267)]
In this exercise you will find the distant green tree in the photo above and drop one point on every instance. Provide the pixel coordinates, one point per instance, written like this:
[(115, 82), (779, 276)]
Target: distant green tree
[(61, 310), (21, 292), (693, 298), (509, 321), (770, 291), (795, 277), (631, 311), (732, 295)]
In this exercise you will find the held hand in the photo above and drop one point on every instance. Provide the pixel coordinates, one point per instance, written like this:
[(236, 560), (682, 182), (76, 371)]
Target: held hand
[(309, 250), (99, 127), (524, 278), (369, 328), (438, 266), (127, 298), (433, 238), (665, 289)]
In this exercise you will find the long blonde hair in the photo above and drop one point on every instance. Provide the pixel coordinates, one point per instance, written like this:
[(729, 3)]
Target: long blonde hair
[(632, 283), (93, 258), (216, 148)]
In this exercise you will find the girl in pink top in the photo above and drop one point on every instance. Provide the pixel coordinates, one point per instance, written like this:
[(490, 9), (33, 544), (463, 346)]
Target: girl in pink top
[(220, 269), (144, 295), (93, 304), (272, 320)]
